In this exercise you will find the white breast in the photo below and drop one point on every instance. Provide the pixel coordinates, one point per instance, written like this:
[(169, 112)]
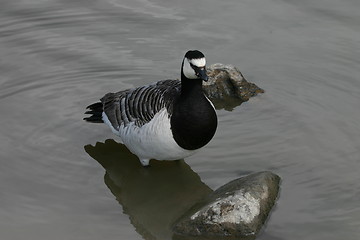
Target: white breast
[(153, 140)]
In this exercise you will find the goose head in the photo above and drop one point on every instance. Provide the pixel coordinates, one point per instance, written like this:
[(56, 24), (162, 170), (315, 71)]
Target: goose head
[(193, 66)]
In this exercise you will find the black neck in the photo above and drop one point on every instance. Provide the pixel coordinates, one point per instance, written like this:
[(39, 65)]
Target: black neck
[(190, 86), (193, 120)]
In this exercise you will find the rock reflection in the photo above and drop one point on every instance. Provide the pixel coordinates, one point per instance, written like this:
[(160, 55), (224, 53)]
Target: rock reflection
[(154, 197), (227, 103)]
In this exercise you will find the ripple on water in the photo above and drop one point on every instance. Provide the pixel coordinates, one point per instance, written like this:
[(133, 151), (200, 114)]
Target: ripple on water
[(59, 56)]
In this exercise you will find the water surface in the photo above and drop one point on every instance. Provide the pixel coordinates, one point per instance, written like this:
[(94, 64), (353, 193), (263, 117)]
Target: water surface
[(58, 56)]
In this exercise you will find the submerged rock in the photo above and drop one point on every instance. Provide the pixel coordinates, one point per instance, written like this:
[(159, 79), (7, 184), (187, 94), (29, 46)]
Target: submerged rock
[(227, 87), (237, 209)]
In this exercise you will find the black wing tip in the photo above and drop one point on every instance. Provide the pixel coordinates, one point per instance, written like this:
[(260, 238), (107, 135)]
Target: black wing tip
[(93, 112), (95, 106), (93, 119), (96, 110)]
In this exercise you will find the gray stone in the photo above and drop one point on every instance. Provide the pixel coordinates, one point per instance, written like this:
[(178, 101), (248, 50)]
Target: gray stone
[(237, 209), (226, 81)]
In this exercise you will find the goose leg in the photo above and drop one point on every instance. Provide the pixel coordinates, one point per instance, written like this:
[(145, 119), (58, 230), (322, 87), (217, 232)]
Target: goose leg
[(145, 162)]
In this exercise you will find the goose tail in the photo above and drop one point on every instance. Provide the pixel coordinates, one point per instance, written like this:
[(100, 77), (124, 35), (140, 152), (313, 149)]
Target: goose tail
[(95, 111)]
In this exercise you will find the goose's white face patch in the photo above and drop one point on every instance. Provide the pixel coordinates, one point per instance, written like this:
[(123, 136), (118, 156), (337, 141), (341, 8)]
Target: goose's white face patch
[(199, 62), (188, 71)]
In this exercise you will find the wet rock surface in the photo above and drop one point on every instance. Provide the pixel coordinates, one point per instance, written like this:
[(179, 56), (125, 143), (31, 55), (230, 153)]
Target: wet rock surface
[(227, 81), (237, 209)]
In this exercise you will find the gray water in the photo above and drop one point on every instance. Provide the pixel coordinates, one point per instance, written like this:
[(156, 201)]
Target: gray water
[(58, 56)]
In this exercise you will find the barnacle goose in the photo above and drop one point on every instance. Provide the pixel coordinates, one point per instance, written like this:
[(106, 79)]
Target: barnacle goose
[(166, 120)]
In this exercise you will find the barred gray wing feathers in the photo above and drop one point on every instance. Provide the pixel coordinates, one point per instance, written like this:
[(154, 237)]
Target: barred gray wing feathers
[(140, 105)]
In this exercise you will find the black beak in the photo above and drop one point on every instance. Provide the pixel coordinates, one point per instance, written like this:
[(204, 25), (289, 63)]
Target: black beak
[(201, 73)]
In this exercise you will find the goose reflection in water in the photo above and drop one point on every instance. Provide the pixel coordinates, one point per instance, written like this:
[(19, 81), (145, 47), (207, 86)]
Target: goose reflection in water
[(154, 197)]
